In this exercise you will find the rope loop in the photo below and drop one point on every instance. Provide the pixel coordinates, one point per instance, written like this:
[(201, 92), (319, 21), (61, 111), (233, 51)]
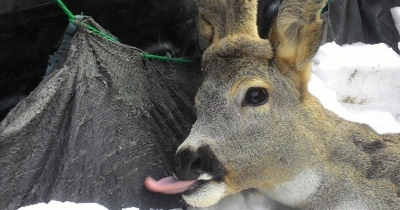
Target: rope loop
[(72, 19)]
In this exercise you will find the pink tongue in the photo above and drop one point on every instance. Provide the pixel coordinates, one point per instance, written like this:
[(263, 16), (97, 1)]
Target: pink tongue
[(168, 185)]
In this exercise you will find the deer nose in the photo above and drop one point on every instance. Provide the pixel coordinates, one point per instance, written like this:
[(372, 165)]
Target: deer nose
[(191, 163)]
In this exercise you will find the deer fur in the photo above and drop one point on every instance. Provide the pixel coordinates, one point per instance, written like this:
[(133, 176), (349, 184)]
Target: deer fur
[(291, 148)]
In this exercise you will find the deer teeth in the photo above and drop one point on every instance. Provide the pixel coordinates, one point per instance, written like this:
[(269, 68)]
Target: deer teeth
[(205, 176)]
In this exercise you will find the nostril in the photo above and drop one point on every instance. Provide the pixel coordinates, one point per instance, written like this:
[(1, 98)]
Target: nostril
[(197, 165), (191, 163), (187, 165)]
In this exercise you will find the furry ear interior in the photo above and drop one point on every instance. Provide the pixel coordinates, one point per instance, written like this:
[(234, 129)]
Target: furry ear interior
[(295, 36), (217, 19)]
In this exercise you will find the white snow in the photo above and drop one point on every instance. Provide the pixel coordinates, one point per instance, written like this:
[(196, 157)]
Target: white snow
[(53, 205), (359, 82)]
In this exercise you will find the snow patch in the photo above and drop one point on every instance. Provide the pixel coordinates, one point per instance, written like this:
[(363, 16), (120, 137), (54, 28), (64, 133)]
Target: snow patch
[(359, 82), (52, 205)]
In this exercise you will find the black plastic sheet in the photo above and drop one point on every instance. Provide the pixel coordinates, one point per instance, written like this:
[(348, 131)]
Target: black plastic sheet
[(363, 21)]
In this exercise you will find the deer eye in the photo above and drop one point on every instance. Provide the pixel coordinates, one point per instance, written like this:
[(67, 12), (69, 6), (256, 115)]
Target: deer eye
[(255, 96)]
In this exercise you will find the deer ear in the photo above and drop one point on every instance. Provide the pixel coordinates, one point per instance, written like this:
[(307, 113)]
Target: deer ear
[(205, 32), (296, 35)]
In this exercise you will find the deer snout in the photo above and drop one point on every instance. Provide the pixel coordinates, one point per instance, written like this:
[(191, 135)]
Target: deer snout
[(191, 163)]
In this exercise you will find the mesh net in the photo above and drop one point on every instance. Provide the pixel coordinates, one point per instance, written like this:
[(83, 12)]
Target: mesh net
[(101, 121)]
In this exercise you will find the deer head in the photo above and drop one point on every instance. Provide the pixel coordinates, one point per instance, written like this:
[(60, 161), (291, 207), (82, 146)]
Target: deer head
[(253, 107), (258, 126)]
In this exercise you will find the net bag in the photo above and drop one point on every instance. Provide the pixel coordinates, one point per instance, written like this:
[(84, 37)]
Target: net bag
[(102, 120)]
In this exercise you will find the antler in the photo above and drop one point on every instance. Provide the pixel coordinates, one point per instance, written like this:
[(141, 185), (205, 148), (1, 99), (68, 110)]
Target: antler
[(219, 18)]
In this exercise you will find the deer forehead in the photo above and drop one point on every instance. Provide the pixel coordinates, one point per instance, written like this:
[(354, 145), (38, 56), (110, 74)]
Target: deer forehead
[(228, 76), (239, 46)]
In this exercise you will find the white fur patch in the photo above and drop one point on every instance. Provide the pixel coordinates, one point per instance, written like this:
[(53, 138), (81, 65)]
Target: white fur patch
[(207, 195), (297, 190), (351, 205)]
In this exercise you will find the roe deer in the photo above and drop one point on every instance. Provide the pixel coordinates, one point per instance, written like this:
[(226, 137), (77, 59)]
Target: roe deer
[(259, 127)]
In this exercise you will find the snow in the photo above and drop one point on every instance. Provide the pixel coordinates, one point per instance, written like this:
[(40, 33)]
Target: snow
[(52, 205), (358, 82)]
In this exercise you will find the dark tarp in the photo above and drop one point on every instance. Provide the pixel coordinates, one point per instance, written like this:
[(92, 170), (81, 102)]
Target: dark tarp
[(349, 21), (102, 121), (365, 21)]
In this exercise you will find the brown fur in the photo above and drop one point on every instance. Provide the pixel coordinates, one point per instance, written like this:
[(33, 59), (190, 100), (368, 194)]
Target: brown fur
[(342, 164)]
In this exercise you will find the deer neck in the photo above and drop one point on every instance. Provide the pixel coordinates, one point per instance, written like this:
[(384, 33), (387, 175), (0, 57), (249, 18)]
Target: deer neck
[(351, 173)]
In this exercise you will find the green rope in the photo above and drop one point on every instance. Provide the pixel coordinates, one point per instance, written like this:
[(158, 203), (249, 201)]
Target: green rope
[(165, 58), (72, 19), (93, 29), (327, 2)]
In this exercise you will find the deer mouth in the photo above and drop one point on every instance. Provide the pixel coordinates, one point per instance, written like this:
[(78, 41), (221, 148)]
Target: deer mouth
[(199, 193), (198, 185), (171, 185)]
